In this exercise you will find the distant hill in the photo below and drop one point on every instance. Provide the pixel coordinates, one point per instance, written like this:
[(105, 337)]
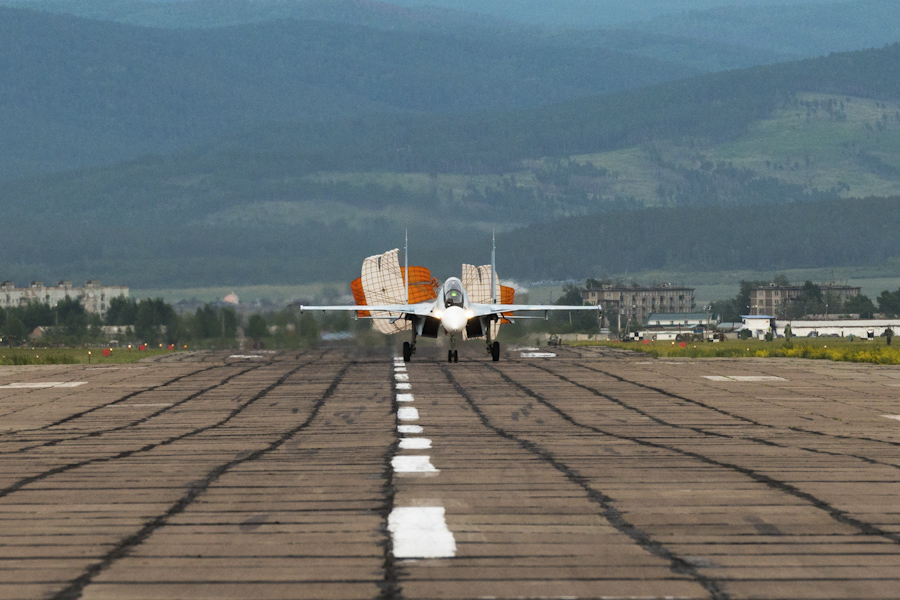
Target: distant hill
[(794, 30), (588, 13), (191, 14), (295, 203), (706, 35), (78, 92), (860, 232)]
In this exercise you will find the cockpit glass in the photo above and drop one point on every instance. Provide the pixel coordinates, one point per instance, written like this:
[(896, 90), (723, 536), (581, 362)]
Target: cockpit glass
[(453, 296)]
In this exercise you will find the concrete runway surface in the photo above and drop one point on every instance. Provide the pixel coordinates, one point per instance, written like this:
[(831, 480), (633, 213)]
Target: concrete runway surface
[(344, 473)]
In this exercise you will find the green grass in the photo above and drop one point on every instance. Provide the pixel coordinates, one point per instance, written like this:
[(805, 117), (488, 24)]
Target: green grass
[(837, 349), (72, 356)]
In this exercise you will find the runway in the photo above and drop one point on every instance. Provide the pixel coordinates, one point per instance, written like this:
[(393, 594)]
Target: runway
[(343, 473)]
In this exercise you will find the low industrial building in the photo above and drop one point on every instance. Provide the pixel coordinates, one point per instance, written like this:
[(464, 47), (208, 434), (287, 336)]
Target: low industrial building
[(759, 325), (94, 297), (669, 326), (861, 328)]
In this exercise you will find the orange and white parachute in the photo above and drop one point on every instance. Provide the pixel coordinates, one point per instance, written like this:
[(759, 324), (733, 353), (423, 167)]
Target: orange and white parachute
[(477, 281), (382, 282)]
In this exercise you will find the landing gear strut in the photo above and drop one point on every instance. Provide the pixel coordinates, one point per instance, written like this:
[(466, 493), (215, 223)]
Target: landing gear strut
[(493, 348), (453, 353)]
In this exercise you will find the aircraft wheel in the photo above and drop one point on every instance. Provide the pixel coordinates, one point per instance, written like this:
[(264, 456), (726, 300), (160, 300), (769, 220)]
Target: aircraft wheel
[(407, 352), (495, 351), (456, 356), (450, 356)]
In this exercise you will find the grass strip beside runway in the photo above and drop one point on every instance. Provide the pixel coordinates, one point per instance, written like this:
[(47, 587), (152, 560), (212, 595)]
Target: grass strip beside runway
[(73, 356), (837, 349)]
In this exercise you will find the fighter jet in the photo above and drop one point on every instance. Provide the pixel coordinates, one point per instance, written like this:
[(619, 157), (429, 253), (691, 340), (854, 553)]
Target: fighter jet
[(404, 298)]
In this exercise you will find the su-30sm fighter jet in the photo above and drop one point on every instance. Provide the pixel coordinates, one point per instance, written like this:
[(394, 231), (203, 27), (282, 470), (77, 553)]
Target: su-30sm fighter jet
[(410, 299)]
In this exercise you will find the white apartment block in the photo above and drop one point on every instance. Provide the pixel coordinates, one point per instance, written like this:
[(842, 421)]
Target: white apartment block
[(93, 296)]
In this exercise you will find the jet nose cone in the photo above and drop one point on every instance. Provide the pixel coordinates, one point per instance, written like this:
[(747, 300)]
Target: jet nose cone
[(454, 319)]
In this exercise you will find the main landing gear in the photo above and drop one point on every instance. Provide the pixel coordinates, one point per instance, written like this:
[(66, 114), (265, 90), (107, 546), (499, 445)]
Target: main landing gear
[(407, 351), (493, 348)]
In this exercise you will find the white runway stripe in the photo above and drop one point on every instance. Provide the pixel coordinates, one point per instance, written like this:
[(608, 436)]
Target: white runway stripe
[(415, 444), (42, 384), (404, 397), (404, 386), (743, 377), (421, 532), (413, 464), (410, 428), (407, 413)]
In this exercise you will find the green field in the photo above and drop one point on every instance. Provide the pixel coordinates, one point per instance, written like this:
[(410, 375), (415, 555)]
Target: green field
[(839, 349), (72, 356)]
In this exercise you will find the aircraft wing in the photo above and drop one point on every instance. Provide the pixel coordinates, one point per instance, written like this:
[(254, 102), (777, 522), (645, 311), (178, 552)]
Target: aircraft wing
[(482, 310), (423, 308)]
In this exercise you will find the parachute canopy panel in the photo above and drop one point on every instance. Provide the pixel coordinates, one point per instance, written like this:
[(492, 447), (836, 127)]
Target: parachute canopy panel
[(383, 281), (478, 281)]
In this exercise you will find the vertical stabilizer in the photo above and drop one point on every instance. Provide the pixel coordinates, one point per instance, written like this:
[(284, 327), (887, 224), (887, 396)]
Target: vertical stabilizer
[(406, 265), (494, 267)]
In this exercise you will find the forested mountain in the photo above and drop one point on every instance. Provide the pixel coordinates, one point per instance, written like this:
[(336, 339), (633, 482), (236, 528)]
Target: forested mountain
[(585, 14), (588, 13), (768, 238), (76, 92), (793, 29), (189, 14), (306, 202), (708, 35)]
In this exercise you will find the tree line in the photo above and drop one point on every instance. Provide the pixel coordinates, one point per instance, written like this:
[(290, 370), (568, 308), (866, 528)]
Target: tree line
[(812, 299), (155, 322)]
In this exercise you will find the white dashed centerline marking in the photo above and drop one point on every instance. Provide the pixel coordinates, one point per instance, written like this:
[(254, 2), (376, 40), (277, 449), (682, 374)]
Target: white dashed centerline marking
[(408, 413), (895, 417), (416, 531), (415, 444), (421, 532), (413, 464), (42, 384), (538, 355), (743, 378)]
